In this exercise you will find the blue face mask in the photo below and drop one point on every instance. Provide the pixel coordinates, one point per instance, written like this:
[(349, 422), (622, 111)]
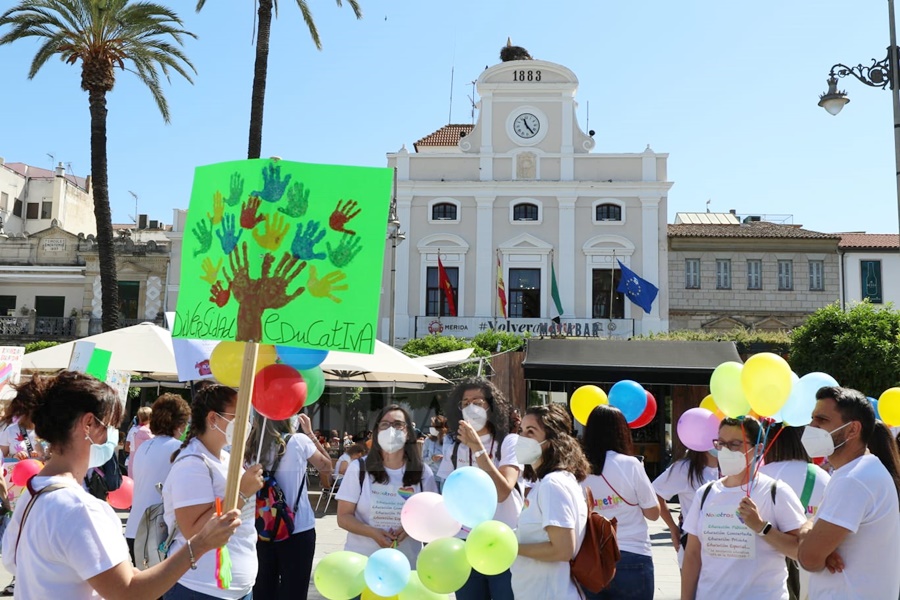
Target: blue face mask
[(713, 452), (101, 453)]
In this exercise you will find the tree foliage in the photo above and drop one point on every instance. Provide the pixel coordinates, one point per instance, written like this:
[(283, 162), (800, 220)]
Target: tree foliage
[(859, 347), (40, 345)]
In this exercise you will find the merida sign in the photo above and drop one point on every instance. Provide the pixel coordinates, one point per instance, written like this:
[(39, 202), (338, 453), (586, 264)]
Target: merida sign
[(469, 327)]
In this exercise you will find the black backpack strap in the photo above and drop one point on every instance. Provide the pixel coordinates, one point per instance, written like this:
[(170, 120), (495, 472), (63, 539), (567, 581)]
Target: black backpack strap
[(454, 454), (362, 471), (774, 488), (706, 491)]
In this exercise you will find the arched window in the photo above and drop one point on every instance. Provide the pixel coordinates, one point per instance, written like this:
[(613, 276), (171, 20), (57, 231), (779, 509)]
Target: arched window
[(525, 211), (443, 211), (608, 212)]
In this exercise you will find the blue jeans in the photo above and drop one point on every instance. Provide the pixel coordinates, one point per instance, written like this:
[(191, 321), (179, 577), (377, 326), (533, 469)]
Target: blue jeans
[(486, 587), (633, 580), (179, 592)]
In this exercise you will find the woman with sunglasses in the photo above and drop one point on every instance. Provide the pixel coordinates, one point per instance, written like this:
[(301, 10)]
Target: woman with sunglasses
[(741, 526), (375, 488), (198, 476), (63, 542)]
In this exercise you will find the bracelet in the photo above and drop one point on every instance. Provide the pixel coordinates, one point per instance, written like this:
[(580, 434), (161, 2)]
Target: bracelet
[(191, 552), (246, 499), (478, 454)]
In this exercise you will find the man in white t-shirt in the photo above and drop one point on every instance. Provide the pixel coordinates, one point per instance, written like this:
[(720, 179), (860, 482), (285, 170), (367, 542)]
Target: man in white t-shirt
[(856, 531)]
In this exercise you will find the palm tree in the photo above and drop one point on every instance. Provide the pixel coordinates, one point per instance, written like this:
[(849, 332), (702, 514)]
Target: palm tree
[(260, 69), (142, 37)]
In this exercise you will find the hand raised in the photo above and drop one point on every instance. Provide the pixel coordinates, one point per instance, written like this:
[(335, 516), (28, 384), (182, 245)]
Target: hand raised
[(211, 271), (219, 295), (304, 243), (298, 201), (203, 233), (342, 214), (273, 185), (345, 252), (273, 231), (249, 218), (323, 288), (236, 190), (227, 235), (218, 209)]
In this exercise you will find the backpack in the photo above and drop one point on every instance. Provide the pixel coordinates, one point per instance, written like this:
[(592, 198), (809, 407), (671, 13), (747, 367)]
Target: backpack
[(274, 518), (153, 538), (594, 567), (100, 481)]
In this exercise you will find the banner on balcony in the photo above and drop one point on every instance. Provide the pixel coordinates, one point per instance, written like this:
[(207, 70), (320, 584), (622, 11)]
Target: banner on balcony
[(10, 370), (284, 253), (469, 327)]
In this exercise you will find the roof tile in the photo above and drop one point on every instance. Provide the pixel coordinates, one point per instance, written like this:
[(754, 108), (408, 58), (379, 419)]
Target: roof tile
[(869, 240), (755, 229), (448, 135)]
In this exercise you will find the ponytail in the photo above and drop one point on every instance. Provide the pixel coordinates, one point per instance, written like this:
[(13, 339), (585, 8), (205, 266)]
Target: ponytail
[(883, 445)]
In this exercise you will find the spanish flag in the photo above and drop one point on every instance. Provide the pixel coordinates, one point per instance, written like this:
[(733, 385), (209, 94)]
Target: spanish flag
[(501, 289), (445, 284)]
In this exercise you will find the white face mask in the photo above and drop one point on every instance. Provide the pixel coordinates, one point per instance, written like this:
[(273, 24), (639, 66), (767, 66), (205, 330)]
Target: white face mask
[(528, 450), (732, 462), (433, 431), (818, 442), (475, 416), (391, 439), (229, 432), (101, 453)]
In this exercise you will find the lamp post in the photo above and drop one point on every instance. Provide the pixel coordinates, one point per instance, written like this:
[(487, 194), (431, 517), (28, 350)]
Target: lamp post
[(396, 236), (880, 74)]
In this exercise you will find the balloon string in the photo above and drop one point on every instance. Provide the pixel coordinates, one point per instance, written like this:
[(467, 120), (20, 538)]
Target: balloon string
[(262, 436), (769, 445)]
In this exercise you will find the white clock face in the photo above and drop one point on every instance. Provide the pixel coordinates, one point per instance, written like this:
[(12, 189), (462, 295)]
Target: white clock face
[(526, 125)]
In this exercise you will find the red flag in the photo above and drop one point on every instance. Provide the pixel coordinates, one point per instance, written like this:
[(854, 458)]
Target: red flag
[(444, 283), (501, 289)]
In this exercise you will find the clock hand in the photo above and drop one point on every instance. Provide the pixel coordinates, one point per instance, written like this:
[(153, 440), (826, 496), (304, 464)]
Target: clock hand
[(525, 123)]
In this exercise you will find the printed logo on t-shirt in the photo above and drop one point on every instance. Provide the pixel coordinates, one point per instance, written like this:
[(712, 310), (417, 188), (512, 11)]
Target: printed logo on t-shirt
[(811, 510), (608, 502), (406, 492), (725, 536), (526, 504)]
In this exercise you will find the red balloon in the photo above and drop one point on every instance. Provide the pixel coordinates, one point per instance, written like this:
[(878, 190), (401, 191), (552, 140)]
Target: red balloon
[(278, 392), (25, 470), (647, 415), (121, 498)]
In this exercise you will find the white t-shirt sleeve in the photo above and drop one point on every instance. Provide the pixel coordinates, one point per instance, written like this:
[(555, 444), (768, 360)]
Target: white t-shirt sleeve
[(692, 519), (350, 490), (304, 445), (92, 541), (508, 452), (789, 513), (446, 466), (646, 495), (556, 505), (191, 483), (846, 505), (672, 481)]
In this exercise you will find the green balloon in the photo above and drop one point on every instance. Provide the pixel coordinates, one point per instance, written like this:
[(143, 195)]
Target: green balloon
[(315, 384), (341, 575), (415, 590), (491, 547), (443, 566)]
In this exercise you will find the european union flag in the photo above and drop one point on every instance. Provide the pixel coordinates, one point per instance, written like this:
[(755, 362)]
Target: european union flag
[(640, 291)]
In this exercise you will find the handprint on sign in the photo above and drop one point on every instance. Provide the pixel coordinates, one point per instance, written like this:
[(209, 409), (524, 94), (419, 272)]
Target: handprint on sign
[(249, 218), (298, 201), (255, 296), (203, 233), (273, 185), (323, 288), (236, 191), (272, 232), (227, 235), (342, 214), (211, 271), (219, 295), (346, 251), (303, 246), (218, 209)]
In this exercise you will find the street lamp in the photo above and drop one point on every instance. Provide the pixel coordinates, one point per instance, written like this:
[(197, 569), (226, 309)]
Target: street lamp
[(880, 74), (396, 236)]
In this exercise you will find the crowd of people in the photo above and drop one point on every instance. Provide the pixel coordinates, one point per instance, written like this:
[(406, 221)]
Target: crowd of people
[(759, 518)]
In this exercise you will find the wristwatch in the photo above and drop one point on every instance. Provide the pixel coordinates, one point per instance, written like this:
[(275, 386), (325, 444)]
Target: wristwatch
[(765, 530), (479, 453)]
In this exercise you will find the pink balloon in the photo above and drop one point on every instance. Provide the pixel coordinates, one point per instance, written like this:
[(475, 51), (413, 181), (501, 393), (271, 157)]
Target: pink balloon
[(25, 470), (121, 498), (697, 428), (425, 518)]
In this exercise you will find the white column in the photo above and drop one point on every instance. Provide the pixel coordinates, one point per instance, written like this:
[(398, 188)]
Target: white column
[(486, 123), (565, 259), (650, 250), (485, 263), (403, 320)]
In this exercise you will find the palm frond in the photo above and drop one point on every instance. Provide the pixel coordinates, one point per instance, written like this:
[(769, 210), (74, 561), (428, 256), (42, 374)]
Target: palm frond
[(310, 23)]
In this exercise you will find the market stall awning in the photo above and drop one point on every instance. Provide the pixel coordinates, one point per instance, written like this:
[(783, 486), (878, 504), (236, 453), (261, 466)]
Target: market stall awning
[(645, 361)]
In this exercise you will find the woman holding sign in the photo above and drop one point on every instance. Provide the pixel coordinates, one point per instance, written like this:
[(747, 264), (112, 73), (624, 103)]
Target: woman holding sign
[(375, 488), (196, 481), (741, 526), (64, 543)]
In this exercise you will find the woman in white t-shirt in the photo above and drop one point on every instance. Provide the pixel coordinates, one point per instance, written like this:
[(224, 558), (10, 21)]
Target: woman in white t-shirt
[(621, 491), (71, 545), (285, 566), (198, 476), (682, 479), (18, 439), (741, 526), (552, 524), (433, 448), (482, 440), (369, 502)]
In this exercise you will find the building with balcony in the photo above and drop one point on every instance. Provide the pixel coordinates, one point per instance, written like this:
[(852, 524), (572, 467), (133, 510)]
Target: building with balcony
[(870, 266)]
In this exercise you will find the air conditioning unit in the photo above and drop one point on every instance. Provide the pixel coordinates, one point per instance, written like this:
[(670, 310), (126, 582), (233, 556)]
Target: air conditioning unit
[(142, 222), (154, 224)]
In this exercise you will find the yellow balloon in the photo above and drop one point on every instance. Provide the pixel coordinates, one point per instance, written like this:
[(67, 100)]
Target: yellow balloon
[(584, 400), (766, 382), (266, 356), (710, 404), (725, 386), (889, 407), (226, 361), (370, 595)]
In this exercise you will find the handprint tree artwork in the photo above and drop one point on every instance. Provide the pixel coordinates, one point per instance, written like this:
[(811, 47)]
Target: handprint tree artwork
[(285, 253)]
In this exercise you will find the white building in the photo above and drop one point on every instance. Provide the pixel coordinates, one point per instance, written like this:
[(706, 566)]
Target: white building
[(522, 186), (871, 268)]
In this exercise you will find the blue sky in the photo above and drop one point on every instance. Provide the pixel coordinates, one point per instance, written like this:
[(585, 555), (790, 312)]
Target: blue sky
[(728, 89)]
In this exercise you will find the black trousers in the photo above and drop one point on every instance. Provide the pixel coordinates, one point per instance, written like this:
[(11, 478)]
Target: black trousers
[(285, 567)]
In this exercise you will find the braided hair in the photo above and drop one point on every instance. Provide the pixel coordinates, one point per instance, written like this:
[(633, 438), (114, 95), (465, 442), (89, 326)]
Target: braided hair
[(211, 398)]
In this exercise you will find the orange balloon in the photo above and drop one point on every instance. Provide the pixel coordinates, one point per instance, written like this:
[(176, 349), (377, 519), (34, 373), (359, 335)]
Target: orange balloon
[(709, 404)]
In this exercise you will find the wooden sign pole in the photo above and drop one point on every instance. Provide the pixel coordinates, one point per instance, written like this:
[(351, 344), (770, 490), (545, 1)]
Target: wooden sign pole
[(241, 416)]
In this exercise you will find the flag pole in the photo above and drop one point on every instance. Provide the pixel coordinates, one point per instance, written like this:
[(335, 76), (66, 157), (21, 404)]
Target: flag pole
[(612, 291), (440, 287)]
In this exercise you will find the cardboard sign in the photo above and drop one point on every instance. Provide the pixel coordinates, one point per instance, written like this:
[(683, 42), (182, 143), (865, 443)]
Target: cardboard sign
[(284, 253), (119, 381), (192, 358), (81, 355), (10, 370), (98, 365)]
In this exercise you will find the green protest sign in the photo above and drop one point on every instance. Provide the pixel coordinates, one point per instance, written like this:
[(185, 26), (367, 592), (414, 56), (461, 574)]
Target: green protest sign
[(284, 253)]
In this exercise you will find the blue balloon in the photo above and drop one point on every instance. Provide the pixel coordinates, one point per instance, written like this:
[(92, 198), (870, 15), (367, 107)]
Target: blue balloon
[(301, 358), (470, 496), (797, 411), (875, 406), (387, 572), (630, 397)]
